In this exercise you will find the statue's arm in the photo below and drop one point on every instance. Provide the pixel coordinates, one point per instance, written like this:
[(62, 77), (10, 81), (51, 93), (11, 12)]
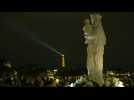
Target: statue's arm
[(91, 37)]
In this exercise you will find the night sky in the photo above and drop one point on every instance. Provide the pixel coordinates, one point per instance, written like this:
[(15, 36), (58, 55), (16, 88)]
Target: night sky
[(20, 32)]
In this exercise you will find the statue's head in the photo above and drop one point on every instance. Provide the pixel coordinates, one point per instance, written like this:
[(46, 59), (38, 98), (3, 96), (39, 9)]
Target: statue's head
[(98, 16), (95, 14), (95, 18)]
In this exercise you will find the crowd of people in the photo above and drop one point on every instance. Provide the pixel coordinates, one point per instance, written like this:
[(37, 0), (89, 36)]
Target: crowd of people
[(12, 77)]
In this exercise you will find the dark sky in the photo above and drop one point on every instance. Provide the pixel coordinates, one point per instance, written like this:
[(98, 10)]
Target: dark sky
[(62, 30)]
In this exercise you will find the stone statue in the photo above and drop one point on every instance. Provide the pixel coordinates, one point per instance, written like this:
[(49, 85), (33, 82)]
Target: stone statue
[(95, 39)]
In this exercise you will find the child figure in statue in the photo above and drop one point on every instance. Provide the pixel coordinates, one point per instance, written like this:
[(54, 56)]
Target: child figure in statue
[(95, 39)]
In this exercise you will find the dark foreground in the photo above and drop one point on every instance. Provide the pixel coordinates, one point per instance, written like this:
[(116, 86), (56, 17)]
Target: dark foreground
[(12, 77)]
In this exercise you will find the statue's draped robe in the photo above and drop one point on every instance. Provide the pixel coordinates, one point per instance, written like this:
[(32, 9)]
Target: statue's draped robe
[(95, 49)]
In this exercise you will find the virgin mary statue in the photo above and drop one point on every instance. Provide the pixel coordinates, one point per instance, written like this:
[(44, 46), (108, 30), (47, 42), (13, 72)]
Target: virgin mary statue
[(96, 40)]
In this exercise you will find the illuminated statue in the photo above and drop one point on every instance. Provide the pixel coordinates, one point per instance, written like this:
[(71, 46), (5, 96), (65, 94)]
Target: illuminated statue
[(95, 39)]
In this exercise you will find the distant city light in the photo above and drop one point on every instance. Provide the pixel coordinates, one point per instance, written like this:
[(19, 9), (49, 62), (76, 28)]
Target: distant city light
[(55, 70), (57, 80)]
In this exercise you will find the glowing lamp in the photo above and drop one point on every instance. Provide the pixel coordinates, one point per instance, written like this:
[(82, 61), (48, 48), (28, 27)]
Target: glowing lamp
[(62, 60)]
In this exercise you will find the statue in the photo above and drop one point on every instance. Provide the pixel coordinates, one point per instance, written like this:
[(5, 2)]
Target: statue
[(95, 39)]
